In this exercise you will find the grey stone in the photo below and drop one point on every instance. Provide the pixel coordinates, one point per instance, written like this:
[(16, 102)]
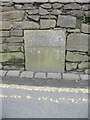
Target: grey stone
[(14, 39), (45, 50), (6, 3), (76, 13), (73, 30), (66, 21), (32, 12), (71, 66), (77, 42), (85, 28), (13, 67), (76, 57), (43, 11), (87, 71), (26, 25), (17, 33), (3, 73), (18, 6), (49, 17), (28, 6), (34, 17), (64, 1), (86, 7), (4, 33), (40, 75), (56, 12), (84, 65), (47, 23), (54, 75), (29, 1), (27, 74), (57, 5), (72, 6), (70, 76), (1, 66), (84, 77), (5, 25), (81, 1), (14, 73), (15, 49), (46, 5)]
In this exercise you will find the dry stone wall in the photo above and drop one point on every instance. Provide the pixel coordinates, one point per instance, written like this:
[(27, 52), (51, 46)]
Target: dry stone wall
[(16, 16)]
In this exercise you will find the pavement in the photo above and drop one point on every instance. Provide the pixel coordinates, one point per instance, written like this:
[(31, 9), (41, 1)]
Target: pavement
[(40, 98)]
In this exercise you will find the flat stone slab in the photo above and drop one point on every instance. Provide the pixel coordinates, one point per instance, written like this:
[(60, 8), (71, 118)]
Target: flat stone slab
[(14, 73), (27, 74), (40, 75), (45, 50), (70, 76), (54, 75)]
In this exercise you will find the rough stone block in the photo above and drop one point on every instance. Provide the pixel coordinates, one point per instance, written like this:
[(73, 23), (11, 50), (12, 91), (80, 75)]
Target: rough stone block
[(5, 25), (17, 33), (47, 23), (46, 5), (25, 25), (57, 5), (40, 75), (43, 11), (66, 21), (72, 6), (54, 75), (62, 1), (85, 28), (84, 77), (14, 40), (71, 66), (34, 17), (77, 42), (87, 71), (70, 76), (56, 12), (3, 73), (29, 1), (27, 74), (4, 33), (32, 12), (84, 65), (75, 13), (13, 73)]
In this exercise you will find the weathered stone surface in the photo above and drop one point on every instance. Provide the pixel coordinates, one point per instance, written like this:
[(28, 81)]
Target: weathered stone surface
[(18, 33), (34, 17), (43, 11), (73, 30), (29, 1), (84, 65), (86, 7), (84, 77), (15, 39), (87, 71), (6, 3), (13, 67), (72, 6), (13, 73), (27, 74), (66, 21), (46, 5), (85, 28), (49, 17), (5, 25), (76, 13), (74, 56), (57, 5), (32, 12), (82, 1), (71, 66), (1, 66), (44, 50), (4, 33), (13, 49), (26, 25), (28, 6), (77, 42), (40, 75), (5, 8), (70, 76), (54, 75), (56, 12), (64, 1), (18, 6), (11, 57), (13, 15), (3, 73), (47, 23)]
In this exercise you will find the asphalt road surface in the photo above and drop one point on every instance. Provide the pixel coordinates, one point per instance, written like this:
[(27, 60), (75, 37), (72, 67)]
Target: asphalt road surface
[(34, 100)]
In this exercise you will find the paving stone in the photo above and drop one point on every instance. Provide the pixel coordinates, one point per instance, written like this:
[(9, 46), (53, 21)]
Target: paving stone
[(17, 33), (77, 42), (70, 76), (57, 5), (43, 11), (5, 25), (54, 75), (46, 5), (13, 15), (87, 71), (13, 73), (40, 75), (3, 73), (47, 23), (72, 6), (56, 12), (76, 57), (26, 25), (15, 39), (85, 28), (27, 74), (66, 21), (4, 33), (84, 77), (32, 12)]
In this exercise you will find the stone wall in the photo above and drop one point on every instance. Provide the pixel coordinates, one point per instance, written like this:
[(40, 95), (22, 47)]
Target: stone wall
[(19, 15)]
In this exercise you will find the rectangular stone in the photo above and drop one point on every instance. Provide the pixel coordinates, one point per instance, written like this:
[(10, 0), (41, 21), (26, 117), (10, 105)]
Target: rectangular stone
[(40, 75), (3, 73), (84, 77), (5, 25), (70, 76), (54, 75), (14, 73), (45, 50), (27, 74), (4, 33)]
